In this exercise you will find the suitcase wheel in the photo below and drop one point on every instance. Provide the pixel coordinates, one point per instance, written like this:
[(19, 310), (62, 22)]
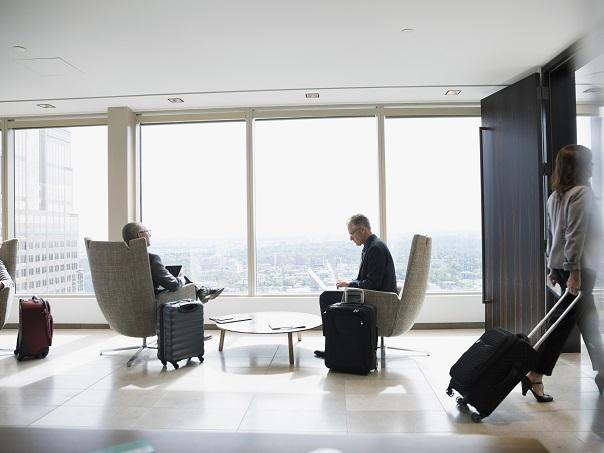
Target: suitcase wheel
[(460, 401), (476, 417), (44, 353), (163, 362), (200, 357), (175, 365)]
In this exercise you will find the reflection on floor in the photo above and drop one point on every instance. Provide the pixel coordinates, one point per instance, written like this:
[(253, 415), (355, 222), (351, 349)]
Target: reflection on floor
[(250, 387)]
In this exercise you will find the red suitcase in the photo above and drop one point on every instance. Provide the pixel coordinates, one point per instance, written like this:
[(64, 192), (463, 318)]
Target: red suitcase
[(35, 328)]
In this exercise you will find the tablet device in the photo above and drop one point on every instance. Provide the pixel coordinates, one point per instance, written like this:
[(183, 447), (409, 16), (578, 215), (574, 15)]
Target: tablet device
[(174, 270)]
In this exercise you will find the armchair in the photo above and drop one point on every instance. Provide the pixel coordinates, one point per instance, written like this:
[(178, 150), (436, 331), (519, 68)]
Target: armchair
[(122, 283), (8, 255), (396, 313)]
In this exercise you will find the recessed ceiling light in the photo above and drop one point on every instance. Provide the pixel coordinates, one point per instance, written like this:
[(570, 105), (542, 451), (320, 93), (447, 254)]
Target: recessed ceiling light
[(407, 30), (593, 90), (46, 106), (452, 92), (312, 95), (176, 100)]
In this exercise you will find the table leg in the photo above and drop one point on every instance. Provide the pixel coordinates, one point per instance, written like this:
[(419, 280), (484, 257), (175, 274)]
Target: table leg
[(221, 344), (299, 336), (290, 343)]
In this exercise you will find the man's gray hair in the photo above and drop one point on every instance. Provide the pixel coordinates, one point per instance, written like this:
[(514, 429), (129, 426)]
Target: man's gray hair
[(359, 220), (131, 230)]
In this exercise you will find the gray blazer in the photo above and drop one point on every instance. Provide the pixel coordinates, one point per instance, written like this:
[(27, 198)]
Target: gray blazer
[(574, 229)]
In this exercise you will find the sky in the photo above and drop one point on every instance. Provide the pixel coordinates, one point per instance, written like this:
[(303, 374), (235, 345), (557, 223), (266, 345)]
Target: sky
[(311, 175)]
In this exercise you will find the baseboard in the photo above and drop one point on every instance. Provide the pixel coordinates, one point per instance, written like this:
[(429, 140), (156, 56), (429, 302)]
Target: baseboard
[(416, 326), (447, 325), (66, 326)]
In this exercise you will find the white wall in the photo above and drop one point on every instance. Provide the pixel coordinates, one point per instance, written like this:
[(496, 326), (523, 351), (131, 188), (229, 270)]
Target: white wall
[(437, 308)]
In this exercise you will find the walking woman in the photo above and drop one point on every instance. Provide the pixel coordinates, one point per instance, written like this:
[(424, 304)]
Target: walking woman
[(573, 232)]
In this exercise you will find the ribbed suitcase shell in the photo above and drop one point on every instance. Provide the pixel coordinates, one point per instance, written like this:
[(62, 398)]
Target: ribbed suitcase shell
[(351, 338), (180, 331)]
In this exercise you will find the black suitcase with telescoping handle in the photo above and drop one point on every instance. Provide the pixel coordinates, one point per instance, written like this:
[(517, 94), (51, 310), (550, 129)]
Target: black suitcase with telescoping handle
[(351, 334), (180, 331), (487, 372)]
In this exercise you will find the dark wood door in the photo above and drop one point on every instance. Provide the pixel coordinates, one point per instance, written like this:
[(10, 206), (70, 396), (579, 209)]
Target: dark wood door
[(512, 206)]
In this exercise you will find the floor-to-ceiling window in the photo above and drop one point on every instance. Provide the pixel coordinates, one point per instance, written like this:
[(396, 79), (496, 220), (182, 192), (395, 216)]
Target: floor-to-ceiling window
[(433, 188), (193, 185), (60, 198), (311, 175)]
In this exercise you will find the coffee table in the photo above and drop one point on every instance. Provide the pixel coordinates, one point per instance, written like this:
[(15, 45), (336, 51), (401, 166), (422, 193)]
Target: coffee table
[(261, 322)]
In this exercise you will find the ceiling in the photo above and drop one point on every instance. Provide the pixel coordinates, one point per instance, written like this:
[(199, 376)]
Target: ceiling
[(84, 57)]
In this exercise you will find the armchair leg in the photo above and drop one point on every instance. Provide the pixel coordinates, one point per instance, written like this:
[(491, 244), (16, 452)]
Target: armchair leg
[(139, 349), (382, 353)]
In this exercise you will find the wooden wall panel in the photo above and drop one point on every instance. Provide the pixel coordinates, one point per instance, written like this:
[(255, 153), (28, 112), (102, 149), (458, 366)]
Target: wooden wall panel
[(513, 236)]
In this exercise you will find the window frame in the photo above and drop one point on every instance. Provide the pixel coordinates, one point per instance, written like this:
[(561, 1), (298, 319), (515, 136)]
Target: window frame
[(249, 115)]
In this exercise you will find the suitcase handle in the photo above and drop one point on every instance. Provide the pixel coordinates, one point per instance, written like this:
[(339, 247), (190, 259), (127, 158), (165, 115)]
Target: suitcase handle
[(558, 321), (188, 307)]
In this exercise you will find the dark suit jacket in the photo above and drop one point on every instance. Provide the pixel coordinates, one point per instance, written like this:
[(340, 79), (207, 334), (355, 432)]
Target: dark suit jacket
[(162, 278), (377, 267)]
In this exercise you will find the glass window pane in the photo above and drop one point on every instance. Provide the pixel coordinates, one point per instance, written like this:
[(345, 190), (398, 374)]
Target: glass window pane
[(194, 199), (311, 176), (433, 188), (60, 198)]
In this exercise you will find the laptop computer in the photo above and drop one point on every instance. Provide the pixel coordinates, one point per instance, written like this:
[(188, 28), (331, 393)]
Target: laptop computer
[(175, 269)]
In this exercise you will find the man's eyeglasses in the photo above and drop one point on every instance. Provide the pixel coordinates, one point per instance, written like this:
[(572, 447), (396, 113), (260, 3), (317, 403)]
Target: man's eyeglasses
[(144, 231), (354, 231)]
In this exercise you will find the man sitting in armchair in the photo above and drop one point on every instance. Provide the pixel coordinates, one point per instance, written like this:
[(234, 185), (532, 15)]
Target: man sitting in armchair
[(163, 280)]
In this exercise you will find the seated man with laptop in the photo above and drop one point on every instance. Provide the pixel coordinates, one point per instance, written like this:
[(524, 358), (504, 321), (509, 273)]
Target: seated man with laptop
[(165, 278), (376, 270)]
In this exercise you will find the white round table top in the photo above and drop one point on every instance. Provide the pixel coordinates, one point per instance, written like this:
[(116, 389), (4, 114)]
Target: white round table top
[(263, 322)]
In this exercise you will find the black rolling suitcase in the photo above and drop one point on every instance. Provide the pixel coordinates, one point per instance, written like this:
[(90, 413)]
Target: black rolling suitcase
[(180, 331), (351, 335), (487, 372)]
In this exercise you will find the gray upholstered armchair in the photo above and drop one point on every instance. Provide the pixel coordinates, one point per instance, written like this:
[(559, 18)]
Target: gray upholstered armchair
[(122, 283), (8, 255), (396, 313)]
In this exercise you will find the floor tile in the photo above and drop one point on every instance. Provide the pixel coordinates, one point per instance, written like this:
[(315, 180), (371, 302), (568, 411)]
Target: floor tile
[(92, 417), (294, 421)]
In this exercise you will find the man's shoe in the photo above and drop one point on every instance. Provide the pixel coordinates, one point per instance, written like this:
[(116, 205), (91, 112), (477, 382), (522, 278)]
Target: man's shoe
[(320, 354), (205, 293)]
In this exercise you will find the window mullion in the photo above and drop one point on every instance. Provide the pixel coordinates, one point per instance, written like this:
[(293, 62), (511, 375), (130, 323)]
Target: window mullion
[(381, 173), (251, 226)]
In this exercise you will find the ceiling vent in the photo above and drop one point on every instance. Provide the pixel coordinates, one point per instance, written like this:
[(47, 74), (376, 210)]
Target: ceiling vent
[(54, 66)]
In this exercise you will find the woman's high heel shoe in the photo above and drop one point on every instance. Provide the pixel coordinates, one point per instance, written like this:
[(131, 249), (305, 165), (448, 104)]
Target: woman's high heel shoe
[(600, 382), (528, 385)]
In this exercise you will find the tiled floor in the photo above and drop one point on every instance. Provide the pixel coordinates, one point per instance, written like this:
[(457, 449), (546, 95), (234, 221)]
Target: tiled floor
[(250, 386)]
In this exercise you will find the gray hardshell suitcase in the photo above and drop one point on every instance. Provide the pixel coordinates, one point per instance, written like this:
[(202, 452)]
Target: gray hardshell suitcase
[(180, 331)]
